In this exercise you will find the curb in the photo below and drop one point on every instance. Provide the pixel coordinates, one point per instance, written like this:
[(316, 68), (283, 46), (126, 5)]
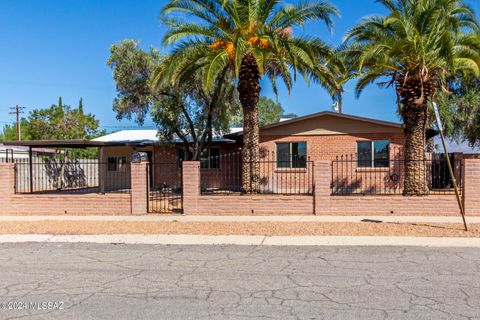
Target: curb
[(244, 240), (199, 218)]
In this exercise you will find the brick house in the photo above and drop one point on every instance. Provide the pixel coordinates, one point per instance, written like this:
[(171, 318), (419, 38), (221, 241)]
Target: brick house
[(320, 136)]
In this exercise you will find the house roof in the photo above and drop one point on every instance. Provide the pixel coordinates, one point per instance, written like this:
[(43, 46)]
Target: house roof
[(129, 136), (147, 137), (119, 138), (323, 114), (59, 143), (454, 146)]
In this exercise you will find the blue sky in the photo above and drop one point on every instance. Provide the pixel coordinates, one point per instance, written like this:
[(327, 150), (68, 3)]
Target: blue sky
[(52, 48)]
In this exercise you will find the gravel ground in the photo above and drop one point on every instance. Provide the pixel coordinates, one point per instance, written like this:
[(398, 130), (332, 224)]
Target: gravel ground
[(242, 228)]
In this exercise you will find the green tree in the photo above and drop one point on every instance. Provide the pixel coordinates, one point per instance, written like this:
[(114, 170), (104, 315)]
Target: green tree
[(132, 68), (184, 110), (58, 122), (460, 111), (253, 39), (269, 112), (416, 46), (290, 115), (61, 122), (9, 132)]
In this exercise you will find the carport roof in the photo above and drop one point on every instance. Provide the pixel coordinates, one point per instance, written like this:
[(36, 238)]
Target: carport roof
[(69, 143)]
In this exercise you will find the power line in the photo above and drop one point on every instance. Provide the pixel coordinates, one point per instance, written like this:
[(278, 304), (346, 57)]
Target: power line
[(17, 112)]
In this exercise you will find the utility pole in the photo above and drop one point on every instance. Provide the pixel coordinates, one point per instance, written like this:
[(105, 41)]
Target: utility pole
[(17, 112)]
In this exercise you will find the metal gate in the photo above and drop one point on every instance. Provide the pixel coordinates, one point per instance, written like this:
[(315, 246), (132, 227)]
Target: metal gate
[(165, 188)]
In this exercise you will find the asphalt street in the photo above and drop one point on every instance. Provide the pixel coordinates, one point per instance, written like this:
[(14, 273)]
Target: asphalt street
[(107, 281)]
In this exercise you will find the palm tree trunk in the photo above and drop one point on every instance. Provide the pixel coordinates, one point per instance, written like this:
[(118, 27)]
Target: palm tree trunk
[(249, 93), (414, 118)]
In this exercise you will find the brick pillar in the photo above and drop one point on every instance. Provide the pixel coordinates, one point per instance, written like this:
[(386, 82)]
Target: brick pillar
[(322, 174), (191, 186), (139, 182), (471, 186), (7, 186)]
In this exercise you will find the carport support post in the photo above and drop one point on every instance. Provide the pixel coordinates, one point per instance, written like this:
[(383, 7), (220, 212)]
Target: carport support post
[(139, 184), (30, 167), (102, 170)]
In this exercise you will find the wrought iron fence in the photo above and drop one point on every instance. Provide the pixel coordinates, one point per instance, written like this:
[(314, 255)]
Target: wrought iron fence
[(223, 175), (165, 187), (53, 175), (351, 176)]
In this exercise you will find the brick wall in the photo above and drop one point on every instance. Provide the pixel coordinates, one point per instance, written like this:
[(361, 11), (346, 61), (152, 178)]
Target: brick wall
[(191, 186), (60, 204), (471, 186), (322, 175), (194, 203), (139, 187), (394, 205), (72, 204), (253, 204), (323, 203)]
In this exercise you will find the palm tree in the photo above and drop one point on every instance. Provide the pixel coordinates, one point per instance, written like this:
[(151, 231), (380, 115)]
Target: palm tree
[(342, 72), (252, 38), (416, 46)]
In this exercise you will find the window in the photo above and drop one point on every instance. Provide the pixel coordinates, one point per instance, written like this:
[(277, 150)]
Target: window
[(373, 154), (292, 155), (116, 163), (210, 159)]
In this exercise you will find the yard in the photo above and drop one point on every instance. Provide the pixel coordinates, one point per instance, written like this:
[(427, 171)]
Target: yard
[(267, 228)]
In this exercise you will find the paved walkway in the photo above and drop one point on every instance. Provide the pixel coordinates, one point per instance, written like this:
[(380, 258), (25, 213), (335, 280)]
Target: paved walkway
[(245, 240), (309, 218)]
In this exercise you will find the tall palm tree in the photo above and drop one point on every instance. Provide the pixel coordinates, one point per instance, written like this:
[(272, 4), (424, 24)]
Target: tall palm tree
[(417, 46), (254, 39), (342, 71)]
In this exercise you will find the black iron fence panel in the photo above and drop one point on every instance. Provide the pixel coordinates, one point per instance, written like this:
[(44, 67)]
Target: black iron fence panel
[(351, 176), (223, 174), (165, 188), (50, 175)]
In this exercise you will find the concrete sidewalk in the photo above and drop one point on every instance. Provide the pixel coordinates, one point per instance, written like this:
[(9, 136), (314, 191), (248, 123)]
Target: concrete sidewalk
[(246, 240), (309, 218)]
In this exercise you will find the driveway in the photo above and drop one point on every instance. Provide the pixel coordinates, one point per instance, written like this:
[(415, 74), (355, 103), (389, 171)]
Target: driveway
[(95, 281)]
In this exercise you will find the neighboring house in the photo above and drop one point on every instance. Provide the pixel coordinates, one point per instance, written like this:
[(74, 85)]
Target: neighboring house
[(8, 153)]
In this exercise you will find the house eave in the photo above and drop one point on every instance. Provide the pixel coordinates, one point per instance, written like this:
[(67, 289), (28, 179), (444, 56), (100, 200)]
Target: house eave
[(320, 114)]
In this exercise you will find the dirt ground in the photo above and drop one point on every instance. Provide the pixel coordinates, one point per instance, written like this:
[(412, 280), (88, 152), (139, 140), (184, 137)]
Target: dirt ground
[(242, 228)]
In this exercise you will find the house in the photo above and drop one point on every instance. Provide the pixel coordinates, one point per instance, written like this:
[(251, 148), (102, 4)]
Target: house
[(320, 136), (292, 144), (10, 153)]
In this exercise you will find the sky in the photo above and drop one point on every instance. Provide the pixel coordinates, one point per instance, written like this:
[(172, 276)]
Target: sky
[(52, 48)]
